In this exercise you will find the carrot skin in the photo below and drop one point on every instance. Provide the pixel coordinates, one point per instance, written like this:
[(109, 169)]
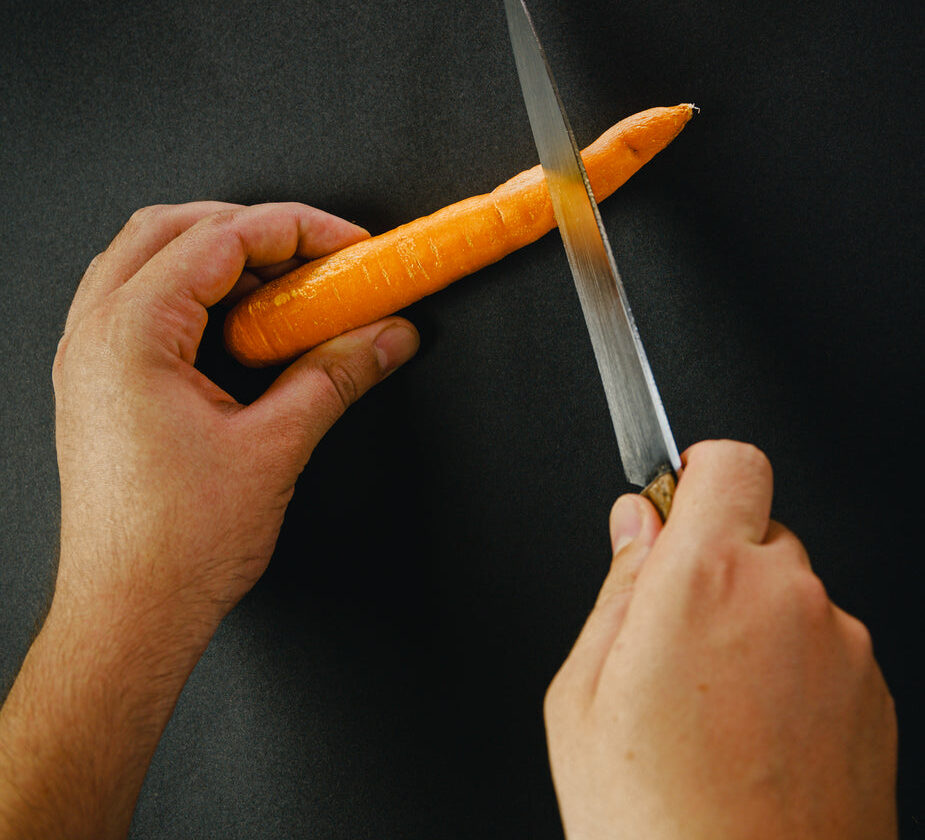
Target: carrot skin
[(380, 275)]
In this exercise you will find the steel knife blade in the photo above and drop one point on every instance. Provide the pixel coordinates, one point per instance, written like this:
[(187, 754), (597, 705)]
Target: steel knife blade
[(647, 448)]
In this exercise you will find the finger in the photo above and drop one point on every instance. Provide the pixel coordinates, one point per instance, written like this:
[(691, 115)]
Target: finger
[(634, 527), (146, 232), (316, 389), (244, 285), (270, 272), (253, 278), (203, 263), (725, 491), (199, 267), (784, 545)]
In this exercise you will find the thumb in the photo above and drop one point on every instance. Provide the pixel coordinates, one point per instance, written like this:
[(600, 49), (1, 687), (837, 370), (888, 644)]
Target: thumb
[(315, 390), (634, 527)]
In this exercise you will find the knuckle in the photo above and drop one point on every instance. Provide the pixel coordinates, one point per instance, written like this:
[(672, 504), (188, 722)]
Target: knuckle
[(342, 382), (744, 455), (755, 458), (112, 325), (94, 264), (800, 556), (105, 338), (144, 216), (809, 593), (889, 709), (859, 636), (220, 227), (788, 547), (221, 218), (554, 699), (61, 348), (797, 551), (57, 364), (709, 572), (747, 455)]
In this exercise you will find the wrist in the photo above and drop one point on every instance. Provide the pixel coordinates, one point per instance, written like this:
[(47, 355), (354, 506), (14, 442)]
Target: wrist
[(86, 712), (130, 638), (140, 603)]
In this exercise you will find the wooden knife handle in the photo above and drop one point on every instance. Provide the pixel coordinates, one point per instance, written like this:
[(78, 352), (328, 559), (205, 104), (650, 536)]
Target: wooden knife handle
[(661, 491)]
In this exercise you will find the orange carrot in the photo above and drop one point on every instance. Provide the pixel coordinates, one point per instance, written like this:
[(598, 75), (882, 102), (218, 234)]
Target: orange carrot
[(378, 276)]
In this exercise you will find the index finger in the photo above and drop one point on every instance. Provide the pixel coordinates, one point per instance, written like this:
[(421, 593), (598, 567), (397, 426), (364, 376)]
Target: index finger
[(203, 263), (725, 490), (146, 233)]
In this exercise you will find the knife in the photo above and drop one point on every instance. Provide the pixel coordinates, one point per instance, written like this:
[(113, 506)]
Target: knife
[(647, 449)]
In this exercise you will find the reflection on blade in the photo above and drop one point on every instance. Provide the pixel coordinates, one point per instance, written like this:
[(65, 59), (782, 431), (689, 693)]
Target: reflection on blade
[(643, 435)]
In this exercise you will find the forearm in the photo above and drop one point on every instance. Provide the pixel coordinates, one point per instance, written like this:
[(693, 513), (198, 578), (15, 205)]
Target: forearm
[(84, 716)]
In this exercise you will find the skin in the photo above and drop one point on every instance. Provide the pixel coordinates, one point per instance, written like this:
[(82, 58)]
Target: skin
[(714, 691), (172, 496)]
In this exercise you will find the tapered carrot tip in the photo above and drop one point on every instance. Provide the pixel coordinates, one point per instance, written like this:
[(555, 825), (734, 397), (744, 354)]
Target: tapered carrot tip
[(645, 133), (378, 276)]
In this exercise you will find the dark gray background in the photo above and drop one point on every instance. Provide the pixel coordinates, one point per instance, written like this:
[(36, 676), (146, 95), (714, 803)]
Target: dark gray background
[(385, 678)]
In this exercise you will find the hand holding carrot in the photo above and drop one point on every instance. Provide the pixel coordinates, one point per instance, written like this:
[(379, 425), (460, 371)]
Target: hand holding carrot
[(172, 496), (169, 448)]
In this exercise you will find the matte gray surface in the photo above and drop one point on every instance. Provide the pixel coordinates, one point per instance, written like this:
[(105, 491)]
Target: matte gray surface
[(385, 678)]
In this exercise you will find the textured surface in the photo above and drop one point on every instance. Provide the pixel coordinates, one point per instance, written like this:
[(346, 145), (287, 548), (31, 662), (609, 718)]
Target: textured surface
[(385, 678)]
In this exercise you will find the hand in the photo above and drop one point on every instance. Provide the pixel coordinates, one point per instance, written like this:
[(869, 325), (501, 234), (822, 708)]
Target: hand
[(172, 493), (172, 496), (715, 692)]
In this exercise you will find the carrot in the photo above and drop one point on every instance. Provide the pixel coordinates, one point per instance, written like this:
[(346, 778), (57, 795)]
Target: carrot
[(378, 276)]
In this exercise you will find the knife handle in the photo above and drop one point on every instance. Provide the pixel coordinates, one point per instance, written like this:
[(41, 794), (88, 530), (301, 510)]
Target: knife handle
[(660, 492)]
